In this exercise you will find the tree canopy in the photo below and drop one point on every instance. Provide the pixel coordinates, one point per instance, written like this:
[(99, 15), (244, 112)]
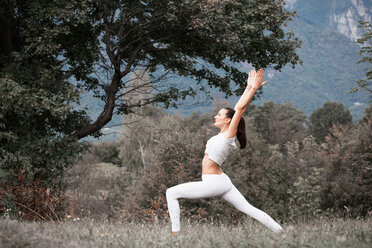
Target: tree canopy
[(279, 123), (325, 117), (99, 44)]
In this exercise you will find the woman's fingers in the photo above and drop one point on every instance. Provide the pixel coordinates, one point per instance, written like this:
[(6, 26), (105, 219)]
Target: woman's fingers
[(259, 76), (251, 77), (255, 77)]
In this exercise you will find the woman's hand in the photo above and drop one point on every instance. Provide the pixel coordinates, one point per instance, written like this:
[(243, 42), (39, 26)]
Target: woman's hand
[(254, 82), (255, 79)]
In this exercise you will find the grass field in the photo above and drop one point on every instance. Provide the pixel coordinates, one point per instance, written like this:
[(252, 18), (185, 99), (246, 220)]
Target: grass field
[(90, 233)]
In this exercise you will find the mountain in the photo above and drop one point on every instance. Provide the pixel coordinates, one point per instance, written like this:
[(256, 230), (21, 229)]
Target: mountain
[(328, 72), (328, 30), (342, 16)]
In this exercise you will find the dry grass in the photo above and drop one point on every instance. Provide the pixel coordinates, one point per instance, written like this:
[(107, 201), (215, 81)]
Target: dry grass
[(91, 233)]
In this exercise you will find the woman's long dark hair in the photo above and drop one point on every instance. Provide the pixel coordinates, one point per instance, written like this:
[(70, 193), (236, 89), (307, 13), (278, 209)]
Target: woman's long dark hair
[(241, 128)]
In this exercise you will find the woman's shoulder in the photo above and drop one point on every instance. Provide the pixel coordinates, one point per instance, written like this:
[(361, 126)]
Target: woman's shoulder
[(225, 134)]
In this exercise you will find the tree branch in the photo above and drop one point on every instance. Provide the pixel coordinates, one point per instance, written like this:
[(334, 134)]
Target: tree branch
[(107, 35), (364, 87), (111, 92)]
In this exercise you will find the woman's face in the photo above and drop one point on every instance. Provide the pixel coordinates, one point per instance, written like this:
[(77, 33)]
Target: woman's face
[(220, 119)]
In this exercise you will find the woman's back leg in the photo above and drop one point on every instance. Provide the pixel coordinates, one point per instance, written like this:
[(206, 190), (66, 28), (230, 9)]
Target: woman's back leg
[(239, 202)]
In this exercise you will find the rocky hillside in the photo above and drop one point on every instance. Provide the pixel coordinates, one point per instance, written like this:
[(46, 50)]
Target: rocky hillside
[(328, 29), (342, 16)]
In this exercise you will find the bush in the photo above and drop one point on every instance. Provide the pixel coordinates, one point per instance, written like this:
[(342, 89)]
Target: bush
[(35, 145), (107, 152), (97, 189), (35, 201), (347, 184), (260, 173), (305, 196)]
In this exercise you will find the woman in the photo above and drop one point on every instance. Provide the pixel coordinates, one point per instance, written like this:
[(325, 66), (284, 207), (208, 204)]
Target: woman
[(214, 181)]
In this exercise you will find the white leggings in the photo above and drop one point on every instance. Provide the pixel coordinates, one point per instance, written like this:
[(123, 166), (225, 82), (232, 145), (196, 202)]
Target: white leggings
[(214, 185)]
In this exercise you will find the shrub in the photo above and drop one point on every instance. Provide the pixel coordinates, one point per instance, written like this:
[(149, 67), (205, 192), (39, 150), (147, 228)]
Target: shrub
[(35, 146), (259, 172), (97, 189), (107, 152), (305, 196), (34, 201), (347, 184)]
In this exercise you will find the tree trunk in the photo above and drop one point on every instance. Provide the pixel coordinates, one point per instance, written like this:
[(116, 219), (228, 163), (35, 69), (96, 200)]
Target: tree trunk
[(106, 114)]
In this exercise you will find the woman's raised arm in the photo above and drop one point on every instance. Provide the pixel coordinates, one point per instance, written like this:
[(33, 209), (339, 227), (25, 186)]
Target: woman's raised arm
[(254, 82)]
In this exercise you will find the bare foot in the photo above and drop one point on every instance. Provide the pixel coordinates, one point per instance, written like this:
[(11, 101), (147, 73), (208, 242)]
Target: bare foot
[(287, 231)]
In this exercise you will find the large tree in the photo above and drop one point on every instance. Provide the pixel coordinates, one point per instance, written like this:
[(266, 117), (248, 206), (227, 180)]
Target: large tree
[(279, 123), (323, 119), (99, 43)]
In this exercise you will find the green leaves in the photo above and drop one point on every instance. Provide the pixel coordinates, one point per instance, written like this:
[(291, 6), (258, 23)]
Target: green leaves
[(366, 50), (33, 127), (330, 115), (305, 196)]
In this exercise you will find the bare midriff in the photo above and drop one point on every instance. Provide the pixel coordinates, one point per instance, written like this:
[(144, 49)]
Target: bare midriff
[(210, 167)]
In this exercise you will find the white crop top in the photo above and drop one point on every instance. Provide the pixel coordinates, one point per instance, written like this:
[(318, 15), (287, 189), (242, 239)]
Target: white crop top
[(219, 147)]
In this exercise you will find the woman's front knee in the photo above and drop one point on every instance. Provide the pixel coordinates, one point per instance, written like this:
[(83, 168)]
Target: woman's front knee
[(170, 193)]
